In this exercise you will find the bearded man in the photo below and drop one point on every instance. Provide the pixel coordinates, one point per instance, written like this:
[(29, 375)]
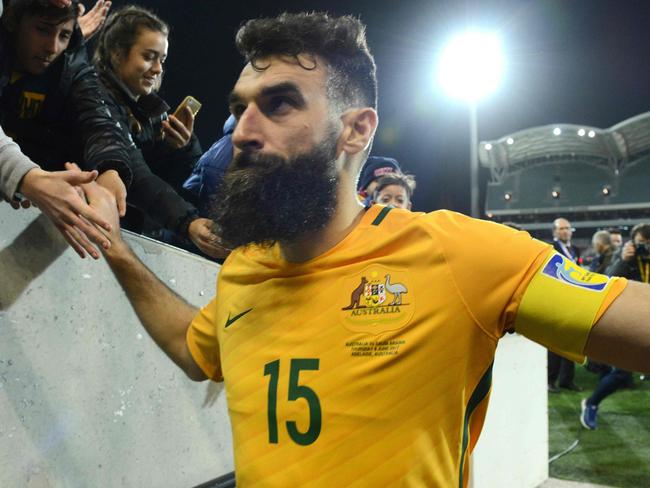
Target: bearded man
[(356, 345)]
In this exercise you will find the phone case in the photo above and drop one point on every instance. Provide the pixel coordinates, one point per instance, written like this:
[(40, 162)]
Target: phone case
[(191, 102)]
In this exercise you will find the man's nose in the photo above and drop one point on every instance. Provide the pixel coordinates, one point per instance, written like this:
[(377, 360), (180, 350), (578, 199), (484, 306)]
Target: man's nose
[(248, 131)]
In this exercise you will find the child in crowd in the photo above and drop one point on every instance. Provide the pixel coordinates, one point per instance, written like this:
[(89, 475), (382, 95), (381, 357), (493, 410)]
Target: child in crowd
[(395, 189)]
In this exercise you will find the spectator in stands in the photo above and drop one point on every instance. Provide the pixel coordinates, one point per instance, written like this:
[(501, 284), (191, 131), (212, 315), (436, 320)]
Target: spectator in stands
[(91, 21), (50, 102), (602, 244), (561, 369), (131, 50), (210, 168), (616, 237), (633, 262), (375, 167), (395, 189)]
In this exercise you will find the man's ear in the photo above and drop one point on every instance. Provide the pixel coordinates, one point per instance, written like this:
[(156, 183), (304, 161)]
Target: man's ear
[(359, 126)]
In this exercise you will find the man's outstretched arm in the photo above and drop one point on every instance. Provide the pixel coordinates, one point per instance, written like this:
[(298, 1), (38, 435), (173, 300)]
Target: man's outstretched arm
[(164, 314), (622, 335)]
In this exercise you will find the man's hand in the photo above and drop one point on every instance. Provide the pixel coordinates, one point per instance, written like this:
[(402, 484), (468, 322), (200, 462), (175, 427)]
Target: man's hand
[(55, 194), (628, 252), (113, 183), (178, 130), (92, 21), (200, 232), (103, 202)]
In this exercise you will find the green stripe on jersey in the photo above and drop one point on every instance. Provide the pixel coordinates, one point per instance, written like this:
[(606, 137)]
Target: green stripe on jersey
[(479, 394), (382, 215)]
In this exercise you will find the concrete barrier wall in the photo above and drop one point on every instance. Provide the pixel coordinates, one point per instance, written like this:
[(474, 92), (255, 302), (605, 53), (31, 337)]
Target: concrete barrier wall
[(513, 449), (86, 398)]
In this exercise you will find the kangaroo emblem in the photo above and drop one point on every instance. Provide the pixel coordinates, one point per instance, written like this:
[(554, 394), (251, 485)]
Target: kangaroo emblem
[(396, 289), (355, 296)]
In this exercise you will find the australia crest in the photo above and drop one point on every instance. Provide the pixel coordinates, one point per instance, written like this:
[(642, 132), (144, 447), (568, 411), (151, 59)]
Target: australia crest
[(378, 300)]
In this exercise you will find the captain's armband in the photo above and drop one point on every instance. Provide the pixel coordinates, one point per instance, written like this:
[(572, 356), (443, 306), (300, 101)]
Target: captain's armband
[(561, 305)]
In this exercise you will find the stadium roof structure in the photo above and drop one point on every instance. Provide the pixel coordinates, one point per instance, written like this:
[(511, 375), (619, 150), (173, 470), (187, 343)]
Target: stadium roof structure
[(593, 176), (611, 148)]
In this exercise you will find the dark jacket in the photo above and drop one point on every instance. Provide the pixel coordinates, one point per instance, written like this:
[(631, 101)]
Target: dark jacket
[(626, 269), (60, 115), (158, 170), (574, 251), (601, 262)]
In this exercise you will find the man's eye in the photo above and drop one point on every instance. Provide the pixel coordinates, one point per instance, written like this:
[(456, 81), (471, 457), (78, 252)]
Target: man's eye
[(280, 104), (237, 110)]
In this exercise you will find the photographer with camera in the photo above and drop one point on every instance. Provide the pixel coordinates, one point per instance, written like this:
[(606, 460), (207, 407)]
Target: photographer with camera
[(632, 262)]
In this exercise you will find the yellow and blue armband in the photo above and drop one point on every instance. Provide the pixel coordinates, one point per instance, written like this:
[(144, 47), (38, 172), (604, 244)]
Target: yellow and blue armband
[(561, 304)]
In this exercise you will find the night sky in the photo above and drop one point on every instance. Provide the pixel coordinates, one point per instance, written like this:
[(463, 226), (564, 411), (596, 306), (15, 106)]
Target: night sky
[(572, 61)]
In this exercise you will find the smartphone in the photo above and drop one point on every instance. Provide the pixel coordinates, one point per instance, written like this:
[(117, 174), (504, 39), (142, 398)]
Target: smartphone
[(191, 102)]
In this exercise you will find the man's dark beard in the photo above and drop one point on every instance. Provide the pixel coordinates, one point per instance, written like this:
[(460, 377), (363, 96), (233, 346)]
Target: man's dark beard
[(266, 198)]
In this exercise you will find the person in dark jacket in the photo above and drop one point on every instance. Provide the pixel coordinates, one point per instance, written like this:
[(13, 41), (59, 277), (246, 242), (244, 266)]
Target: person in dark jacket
[(561, 369), (602, 244), (51, 101), (210, 169), (130, 52)]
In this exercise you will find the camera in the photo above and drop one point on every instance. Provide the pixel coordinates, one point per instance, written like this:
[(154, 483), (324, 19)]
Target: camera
[(642, 250)]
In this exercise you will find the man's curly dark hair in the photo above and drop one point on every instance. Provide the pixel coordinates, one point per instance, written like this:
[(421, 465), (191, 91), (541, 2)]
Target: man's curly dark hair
[(339, 41)]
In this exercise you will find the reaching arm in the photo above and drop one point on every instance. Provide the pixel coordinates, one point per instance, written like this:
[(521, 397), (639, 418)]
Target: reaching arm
[(90, 22), (622, 335), (164, 314)]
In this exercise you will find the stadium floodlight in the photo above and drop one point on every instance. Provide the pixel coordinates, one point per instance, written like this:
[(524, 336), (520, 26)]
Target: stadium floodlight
[(471, 65), (470, 68)]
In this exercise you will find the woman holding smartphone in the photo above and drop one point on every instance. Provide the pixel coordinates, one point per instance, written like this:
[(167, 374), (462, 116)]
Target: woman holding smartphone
[(129, 57)]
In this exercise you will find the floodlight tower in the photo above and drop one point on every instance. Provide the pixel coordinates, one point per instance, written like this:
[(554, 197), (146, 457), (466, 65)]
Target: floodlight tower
[(470, 68)]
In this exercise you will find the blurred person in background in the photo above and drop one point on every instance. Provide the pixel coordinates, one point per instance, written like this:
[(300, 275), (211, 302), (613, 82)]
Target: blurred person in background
[(373, 169), (561, 369), (617, 238), (395, 189), (602, 245), (130, 54), (210, 169)]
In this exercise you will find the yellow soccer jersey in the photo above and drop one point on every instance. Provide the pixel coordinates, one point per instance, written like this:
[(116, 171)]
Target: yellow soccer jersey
[(370, 365)]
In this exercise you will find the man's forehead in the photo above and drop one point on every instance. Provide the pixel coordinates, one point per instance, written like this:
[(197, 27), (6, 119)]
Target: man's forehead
[(304, 71)]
